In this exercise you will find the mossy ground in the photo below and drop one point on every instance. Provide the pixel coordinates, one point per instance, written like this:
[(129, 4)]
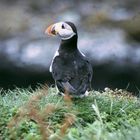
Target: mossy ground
[(42, 115)]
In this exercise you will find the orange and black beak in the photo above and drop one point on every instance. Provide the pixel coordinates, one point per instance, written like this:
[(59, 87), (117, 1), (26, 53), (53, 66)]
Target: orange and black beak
[(51, 30)]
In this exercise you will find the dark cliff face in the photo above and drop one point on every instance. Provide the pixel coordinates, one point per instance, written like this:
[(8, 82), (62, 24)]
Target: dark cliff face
[(108, 34), (103, 76)]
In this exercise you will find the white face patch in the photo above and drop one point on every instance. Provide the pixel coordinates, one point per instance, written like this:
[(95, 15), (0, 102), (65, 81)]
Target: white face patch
[(64, 30)]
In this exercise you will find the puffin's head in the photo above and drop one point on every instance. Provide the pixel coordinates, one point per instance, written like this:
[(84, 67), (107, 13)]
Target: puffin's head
[(65, 30)]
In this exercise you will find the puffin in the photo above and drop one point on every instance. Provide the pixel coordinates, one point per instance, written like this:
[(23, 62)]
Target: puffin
[(70, 68)]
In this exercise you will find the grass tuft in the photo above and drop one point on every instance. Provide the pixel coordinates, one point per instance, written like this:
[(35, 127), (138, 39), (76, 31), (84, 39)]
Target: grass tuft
[(44, 115)]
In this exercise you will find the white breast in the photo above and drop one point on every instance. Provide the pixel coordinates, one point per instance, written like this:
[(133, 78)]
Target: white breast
[(82, 54), (56, 54)]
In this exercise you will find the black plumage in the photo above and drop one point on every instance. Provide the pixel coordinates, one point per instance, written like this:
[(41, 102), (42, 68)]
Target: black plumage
[(71, 70)]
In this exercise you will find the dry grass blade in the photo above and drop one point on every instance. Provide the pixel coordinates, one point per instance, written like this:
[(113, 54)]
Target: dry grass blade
[(31, 111), (68, 121)]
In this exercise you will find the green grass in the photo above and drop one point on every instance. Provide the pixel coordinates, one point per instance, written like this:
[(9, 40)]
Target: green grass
[(42, 115)]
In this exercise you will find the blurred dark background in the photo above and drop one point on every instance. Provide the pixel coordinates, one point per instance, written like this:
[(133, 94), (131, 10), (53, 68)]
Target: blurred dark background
[(109, 34)]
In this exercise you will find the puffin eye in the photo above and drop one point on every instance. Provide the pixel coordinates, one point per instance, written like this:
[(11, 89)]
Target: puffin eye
[(63, 27)]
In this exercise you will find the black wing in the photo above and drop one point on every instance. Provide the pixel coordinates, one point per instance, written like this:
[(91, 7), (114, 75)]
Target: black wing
[(72, 75)]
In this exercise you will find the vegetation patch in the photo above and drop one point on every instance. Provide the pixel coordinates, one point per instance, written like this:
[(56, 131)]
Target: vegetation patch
[(44, 115)]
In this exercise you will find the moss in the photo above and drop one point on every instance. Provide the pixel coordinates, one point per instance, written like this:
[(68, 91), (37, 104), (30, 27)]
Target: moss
[(42, 114)]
